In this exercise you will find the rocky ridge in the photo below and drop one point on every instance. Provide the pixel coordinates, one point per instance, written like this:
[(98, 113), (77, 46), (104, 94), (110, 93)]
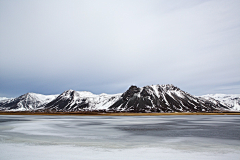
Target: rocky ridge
[(154, 98)]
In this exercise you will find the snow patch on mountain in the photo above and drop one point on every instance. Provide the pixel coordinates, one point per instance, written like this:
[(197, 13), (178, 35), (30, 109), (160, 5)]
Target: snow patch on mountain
[(26, 102), (231, 100), (3, 98)]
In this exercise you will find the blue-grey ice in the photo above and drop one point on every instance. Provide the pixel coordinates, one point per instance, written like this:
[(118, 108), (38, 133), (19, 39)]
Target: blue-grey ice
[(120, 137)]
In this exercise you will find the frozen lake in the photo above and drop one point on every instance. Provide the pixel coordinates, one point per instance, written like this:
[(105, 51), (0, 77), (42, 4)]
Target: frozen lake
[(120, 137)]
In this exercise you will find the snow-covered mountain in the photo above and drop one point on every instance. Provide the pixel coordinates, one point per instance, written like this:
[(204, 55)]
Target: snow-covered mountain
[(26, 102), (230, 100), (163, 98), (71, 100), (154, 98)]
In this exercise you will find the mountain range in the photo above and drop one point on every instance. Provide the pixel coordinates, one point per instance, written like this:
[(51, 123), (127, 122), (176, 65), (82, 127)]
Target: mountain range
[(154, 98)]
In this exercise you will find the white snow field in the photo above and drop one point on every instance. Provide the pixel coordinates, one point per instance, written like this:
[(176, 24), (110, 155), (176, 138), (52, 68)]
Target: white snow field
[(120, 137), (230, 100)]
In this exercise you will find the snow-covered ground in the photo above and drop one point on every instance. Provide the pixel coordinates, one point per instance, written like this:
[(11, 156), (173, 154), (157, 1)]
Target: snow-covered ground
[(95, 137)]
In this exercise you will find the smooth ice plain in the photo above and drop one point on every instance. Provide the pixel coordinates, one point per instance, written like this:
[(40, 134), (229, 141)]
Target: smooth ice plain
[(120, 137)]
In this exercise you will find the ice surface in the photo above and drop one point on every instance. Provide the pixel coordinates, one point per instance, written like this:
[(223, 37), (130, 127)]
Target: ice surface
[(28, 152), (120, 137)]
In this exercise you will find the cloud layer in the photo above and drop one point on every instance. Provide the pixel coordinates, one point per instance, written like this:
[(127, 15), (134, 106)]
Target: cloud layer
[(105, 46)]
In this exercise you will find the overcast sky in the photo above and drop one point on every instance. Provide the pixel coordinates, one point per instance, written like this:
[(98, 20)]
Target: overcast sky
[(49, 46)]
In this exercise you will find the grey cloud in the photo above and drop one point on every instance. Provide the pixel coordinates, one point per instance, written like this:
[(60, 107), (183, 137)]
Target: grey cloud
[(105, 46)]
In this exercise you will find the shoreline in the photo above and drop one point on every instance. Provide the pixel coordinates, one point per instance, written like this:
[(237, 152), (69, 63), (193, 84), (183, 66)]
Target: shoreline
[(117, 114)]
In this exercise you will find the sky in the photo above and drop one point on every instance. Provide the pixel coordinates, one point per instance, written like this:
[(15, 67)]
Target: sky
[(50, 46)]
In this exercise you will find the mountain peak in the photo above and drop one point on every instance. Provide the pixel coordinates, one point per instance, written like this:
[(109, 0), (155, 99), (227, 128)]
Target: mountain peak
[(130, 92)]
